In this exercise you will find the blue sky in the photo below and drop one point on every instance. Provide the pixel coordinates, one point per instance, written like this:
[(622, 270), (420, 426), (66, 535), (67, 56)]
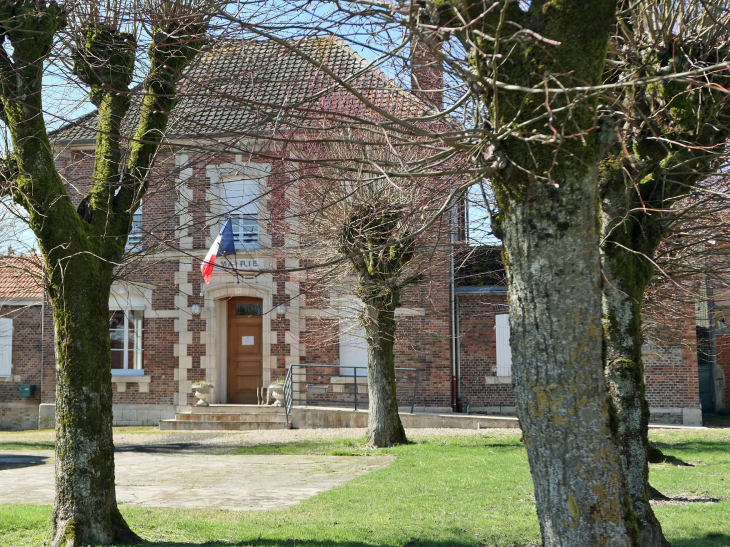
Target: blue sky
[(66, 99)]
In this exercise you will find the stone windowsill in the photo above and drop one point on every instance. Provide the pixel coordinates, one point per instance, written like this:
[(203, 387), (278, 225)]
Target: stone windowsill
[(121, 380), (361, 380), (492, 380), (14, 378)]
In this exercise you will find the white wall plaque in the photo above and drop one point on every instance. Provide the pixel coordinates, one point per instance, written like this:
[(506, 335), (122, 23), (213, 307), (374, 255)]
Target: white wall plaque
[(247, 340)]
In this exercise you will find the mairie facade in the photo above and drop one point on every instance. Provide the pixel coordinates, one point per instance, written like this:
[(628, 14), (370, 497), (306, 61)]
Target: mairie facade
[(263, 311)]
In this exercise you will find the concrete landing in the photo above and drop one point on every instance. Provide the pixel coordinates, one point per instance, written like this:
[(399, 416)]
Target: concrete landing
[(253, 417)]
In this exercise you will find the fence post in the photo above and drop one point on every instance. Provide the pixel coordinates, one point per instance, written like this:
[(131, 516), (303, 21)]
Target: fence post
[(415, 389), (355, 380)]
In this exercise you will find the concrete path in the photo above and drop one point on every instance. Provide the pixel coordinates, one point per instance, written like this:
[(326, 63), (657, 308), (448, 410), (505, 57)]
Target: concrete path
[(193, 481)]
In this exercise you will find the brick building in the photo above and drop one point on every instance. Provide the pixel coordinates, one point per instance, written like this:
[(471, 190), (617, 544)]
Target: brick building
[(25, 324), (169, 329), (484, 360)]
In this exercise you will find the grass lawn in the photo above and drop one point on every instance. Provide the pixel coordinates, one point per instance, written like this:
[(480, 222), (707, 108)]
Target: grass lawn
[(439, 492)]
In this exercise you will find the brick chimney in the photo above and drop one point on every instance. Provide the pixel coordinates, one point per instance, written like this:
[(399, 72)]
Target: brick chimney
[(427, 73)]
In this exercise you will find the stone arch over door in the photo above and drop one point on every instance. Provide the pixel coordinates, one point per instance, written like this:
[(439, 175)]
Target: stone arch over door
[(216, 335)]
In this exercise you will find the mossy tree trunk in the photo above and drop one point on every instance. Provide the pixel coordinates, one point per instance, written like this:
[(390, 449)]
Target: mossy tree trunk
[(629, 239), (553, 267), (664, 153), (80, 247), (85, 506), (548, 210), (384, 424)]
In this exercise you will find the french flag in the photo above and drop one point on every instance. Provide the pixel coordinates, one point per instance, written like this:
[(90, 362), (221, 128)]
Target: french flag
[(224, 245)]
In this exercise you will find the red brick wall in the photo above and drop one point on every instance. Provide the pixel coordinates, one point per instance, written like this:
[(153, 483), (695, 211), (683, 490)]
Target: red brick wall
[(18, 412), (478, 351), (670, 367), (424, 341), (722, 343), (670, 370)]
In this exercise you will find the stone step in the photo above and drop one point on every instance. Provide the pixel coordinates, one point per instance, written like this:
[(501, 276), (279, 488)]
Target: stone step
[(233, 417), (200, 425), (230, 409)]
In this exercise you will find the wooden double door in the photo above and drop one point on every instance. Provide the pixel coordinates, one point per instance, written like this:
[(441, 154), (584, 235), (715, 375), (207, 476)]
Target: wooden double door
[(245, 357)]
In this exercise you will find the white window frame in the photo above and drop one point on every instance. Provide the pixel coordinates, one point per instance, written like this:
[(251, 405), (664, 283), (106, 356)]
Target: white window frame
[(245, 239), (502, 342), (6, 349), (241, 204), (137, 366)]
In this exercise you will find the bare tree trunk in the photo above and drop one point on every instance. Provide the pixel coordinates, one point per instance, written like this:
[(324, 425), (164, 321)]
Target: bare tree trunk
[(553, 266), (627, 276), (85, 508), (384, 425)]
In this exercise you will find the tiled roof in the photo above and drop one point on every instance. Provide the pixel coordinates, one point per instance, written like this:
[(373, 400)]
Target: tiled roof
[(20, 276), (245, 87)]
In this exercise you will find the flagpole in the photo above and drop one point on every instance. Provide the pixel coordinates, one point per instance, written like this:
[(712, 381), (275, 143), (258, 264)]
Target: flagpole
[(235, 258)]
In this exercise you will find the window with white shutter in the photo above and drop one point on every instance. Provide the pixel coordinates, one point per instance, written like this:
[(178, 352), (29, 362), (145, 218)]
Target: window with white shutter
[(353, 347), (6, 346), (504, 353)]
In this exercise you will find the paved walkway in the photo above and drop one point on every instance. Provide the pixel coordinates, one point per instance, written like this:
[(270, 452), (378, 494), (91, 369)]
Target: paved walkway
[(188, 480)]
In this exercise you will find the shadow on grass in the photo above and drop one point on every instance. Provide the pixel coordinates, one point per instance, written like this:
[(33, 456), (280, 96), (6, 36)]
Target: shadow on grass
[(710, 539), (163, 448), (255, 450), (695, 446)]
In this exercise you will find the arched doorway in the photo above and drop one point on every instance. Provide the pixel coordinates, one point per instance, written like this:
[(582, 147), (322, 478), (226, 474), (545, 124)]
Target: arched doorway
[(245, 344)]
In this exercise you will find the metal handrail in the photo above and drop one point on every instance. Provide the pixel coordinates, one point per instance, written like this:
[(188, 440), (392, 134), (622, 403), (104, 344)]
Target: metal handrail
[(289, 381), (288, 396)]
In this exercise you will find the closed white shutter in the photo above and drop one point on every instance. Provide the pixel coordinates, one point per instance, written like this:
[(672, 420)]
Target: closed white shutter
[(504, 353), (6, 346), (353, 346)]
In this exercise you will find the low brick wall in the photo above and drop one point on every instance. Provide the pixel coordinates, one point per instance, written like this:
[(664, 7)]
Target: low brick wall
[(19, 416)]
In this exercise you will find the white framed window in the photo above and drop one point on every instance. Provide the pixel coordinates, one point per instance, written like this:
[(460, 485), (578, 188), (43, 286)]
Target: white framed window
[(126, 331), (135, 234), (6, 346), (245, 230), (239, 200), (504, 353)]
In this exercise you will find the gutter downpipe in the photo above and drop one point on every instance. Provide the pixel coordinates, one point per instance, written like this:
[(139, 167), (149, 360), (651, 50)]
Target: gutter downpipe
[(713, 343), (454, 321), (43, 324)]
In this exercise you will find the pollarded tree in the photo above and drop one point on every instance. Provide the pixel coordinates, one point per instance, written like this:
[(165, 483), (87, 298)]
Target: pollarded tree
[(81, 246), (531, 67), (362, 209), (528, 58), (673, 135)]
